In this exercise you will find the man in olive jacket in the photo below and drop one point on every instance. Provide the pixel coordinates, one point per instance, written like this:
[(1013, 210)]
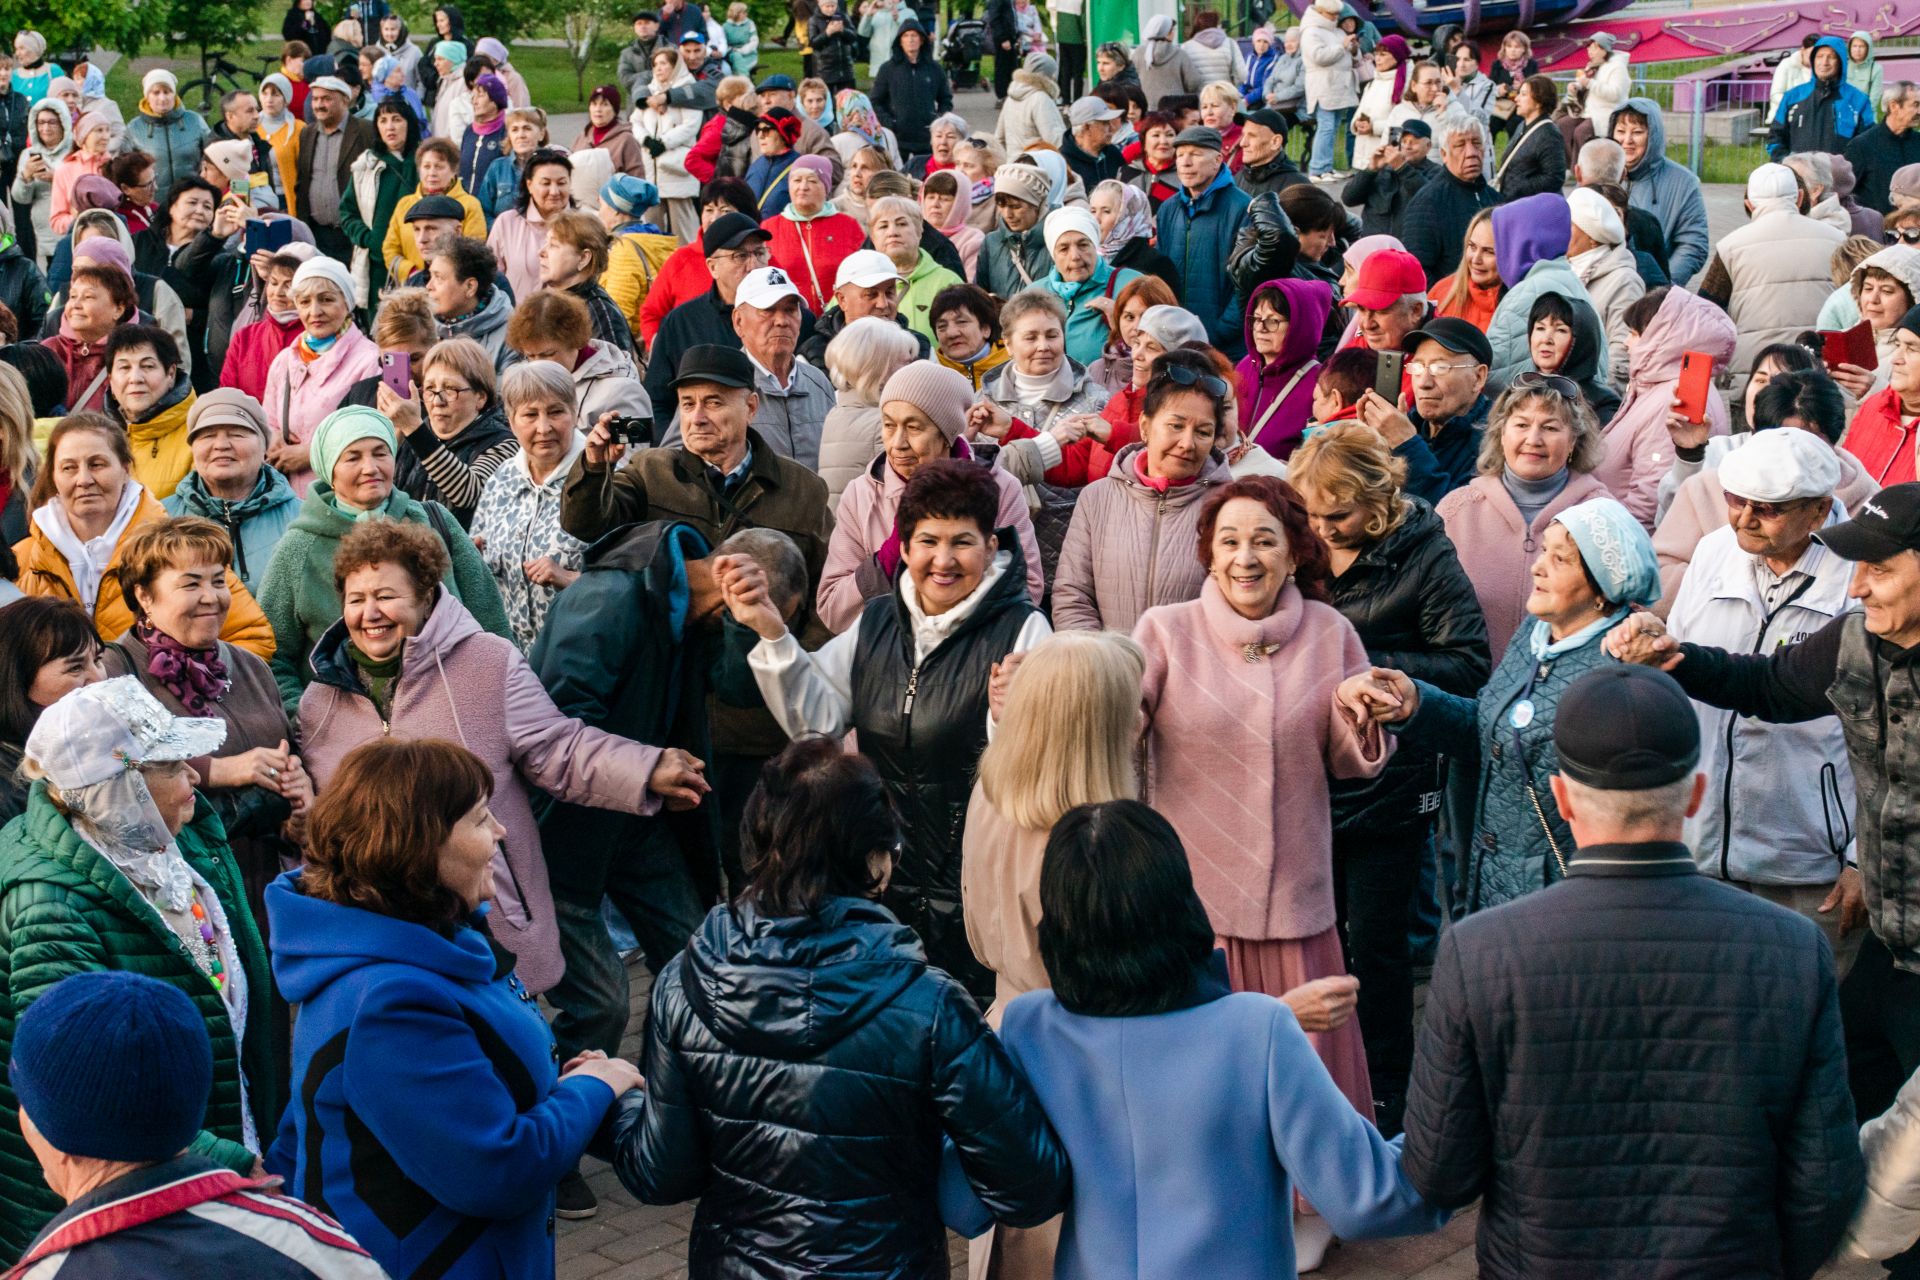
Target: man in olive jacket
[(1638, 1067)]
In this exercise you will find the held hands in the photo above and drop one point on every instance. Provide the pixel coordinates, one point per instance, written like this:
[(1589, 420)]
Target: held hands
[(743, 585), (1642, 639), (1324, 1004), (602, 449), (1390, 423), (985, 418), (1070, 430), (1000, 680), (679, 779), (1378, 695), (405, 414), (617, 1074)]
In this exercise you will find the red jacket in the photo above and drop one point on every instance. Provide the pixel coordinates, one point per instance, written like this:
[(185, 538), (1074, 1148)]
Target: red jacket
[(86, 389), (683, 275), (811, 252), (250, 353), (1087, 459), (704, 155), (1881, 441)]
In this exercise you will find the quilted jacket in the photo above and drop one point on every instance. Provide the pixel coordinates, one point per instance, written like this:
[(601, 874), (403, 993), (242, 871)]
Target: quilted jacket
[(1641, 1070), (64, 910)]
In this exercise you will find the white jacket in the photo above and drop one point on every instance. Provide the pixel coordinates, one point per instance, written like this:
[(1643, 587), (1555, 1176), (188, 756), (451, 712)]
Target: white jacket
[(1031, 114), (677, 129), (1780, 263), (1608, 90), (1613, 282), (606, 379), (1222, 61), (1377, 103), (1888, 1220), (1780, 801), (1333, 70)]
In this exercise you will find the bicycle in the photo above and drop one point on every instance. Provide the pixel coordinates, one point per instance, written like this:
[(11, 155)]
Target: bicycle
[(220, 76)]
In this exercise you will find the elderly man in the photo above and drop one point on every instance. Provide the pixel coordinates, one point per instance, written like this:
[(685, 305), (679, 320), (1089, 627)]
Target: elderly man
[(1598, 254), (701, 62), (1892, 144), (635, 68), (734, 245), (1014, 254), (323, 169), (1602, 167), (780, 91), (1197, 227), (1778, 816), (231, 483), (865, 284), (1088, 147), (1439, 433), (1399, 170), (1662, 187), (793, 398), (1434, 228), (112, 1071), (1773, 275), (1825, 113), (1822, 200), (1263, 153), (1559, 1091), (1389, 300), (239, 121), (1859, 667)]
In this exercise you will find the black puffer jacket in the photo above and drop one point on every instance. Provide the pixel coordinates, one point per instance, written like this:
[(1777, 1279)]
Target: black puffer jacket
[(833, 54), (1641, 1070), (907, 96), (1536, 162), (801, 1074), (1416, 611)]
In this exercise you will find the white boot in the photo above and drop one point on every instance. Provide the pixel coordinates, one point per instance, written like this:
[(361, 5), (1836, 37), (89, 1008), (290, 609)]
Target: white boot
[(1311, 1236)]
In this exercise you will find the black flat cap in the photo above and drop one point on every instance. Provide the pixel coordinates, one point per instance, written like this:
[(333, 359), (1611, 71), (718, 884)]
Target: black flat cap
[(435, 207), (1626, 728), (730, 231), (1453, 333), (710, 362)]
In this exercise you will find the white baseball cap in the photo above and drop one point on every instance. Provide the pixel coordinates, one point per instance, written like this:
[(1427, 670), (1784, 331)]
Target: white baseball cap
[(1780, 465), (764, 288), (103, 729), (866, 268)]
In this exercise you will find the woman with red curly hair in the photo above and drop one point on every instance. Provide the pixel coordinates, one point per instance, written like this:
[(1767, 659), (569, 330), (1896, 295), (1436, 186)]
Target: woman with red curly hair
[(1242, 736)]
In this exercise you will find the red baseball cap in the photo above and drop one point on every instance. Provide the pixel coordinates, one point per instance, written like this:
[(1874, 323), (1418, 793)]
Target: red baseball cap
[(1386, 277)]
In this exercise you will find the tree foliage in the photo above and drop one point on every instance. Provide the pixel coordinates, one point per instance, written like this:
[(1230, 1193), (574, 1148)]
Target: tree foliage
[(76, 25)]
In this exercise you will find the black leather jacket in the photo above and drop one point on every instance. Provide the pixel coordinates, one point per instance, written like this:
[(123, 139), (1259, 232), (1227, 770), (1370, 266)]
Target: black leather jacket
[(802, 1073)]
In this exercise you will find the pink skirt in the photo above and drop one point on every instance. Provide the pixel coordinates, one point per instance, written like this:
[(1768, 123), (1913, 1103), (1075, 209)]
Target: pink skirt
[(1276, 966)]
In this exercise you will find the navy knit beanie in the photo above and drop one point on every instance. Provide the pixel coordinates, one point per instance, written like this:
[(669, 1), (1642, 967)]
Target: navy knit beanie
[(114, 1066)]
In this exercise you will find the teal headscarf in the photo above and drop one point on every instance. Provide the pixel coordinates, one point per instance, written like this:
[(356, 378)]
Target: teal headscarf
[(338, 430), (452, 50), (1620, 556)]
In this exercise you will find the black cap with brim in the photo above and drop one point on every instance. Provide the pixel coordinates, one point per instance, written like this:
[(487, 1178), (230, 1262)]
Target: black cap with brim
[(1453, 333), (1417, 128), (710, 362), (1626, 728), (730, 231), (1265, 116), (1885, 525)]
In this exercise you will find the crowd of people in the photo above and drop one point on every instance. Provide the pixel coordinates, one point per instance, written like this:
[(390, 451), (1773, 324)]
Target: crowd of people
[(1039, 639)]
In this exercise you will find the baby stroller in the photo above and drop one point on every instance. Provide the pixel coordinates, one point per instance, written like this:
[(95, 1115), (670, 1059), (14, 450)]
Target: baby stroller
[(966, 46)]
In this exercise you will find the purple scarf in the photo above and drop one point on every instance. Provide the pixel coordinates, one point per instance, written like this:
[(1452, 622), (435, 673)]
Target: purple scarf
[(196, 677)]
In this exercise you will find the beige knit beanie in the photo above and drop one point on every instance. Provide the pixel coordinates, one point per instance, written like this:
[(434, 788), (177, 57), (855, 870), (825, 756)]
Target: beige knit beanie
[(943, 394)]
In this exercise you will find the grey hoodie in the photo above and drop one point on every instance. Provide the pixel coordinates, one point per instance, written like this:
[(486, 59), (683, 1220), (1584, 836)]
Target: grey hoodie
[(1670, 193), (487, 326)]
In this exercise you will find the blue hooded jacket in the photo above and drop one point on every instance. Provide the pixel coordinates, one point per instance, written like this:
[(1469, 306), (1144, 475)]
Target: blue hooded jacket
[(1530, 238), (428, 1117), (1670, 193), (1197, 235), (254, 523), (1820, 115)]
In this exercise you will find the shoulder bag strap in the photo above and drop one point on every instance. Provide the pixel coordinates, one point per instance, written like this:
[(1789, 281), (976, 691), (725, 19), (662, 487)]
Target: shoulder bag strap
[(1253, 433), (91, 388)]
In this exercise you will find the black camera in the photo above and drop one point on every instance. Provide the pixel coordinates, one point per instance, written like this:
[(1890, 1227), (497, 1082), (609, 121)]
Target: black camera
[(631, 429), (1394, 135)]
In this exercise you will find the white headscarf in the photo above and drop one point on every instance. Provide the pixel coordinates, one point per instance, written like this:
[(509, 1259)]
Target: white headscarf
[(1054, 165), (87, 558)]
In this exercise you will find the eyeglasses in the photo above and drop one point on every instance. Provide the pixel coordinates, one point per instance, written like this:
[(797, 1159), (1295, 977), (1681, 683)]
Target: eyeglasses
[(1533, 380), (1905, 235), (1265, 323), (1764, 510), (441, 395), (1181, 376), (753, 253), (1438, 368)]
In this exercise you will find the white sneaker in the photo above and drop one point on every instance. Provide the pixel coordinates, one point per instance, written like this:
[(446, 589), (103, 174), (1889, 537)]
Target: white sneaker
[(1311, 1236), (1326, 177)]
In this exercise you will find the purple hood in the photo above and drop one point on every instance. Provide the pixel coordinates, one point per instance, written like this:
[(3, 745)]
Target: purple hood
[(1529, 231), (1307, 304)]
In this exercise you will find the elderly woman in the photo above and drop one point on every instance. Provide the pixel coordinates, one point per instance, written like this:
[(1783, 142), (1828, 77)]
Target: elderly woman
[(667, 132), (860, 359), (517, 524), (407, 660), (50, 138), (119, 864), (355, 448), (447, 453), (945, 210), (776, 137), (309, 379), (923, 417), (100, 298), (546, 190), (1114, 369), (92, 139), (1473, 292), (976, 161), (1395, 577), (1277, 375), (1662, 327), (810, 235), (500, 184), (1082, 280), (1126, 231), (382, 180), (86, 506), (1885, 287), (388, 949), (1596, 564), (1169, 1097), (1239, 685), (1153, 173), (605, 130), (437, 166), (174, 572), (48, 648), (827, 1151), (895, 226), (555, 326), (860, 129), (911, 678), (573, 260), (1538, 454), (1120, 557), (966, 331)]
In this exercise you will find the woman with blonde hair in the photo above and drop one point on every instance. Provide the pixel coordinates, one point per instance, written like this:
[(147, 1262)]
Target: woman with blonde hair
[(977, 160), (1220, 105), (1472, 293), (862, 165), (860, 359), (19, 463)]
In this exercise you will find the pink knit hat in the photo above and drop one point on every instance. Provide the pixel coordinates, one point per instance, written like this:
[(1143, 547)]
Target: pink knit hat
[(943, 394), (819, 166), (105, 251)]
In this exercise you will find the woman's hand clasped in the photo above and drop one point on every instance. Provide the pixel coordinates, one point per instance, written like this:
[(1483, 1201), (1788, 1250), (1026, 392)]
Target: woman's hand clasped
[(1378, 695)]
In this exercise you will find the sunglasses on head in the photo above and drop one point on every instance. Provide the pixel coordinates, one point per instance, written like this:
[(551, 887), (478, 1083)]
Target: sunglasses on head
[(1181, 376), (1533, 380)]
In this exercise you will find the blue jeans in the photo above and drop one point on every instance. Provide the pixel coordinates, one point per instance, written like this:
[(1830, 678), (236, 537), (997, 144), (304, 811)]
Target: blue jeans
[(1327, 121)]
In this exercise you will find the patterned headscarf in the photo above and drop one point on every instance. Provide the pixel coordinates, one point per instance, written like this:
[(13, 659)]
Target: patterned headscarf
[(857, 115), (1616, 550), (1135, 220)]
